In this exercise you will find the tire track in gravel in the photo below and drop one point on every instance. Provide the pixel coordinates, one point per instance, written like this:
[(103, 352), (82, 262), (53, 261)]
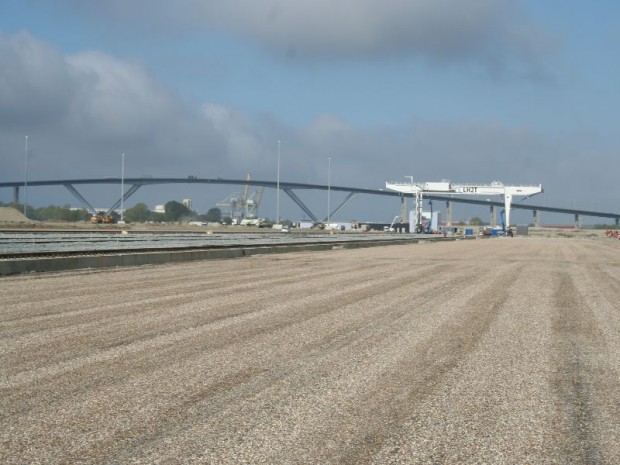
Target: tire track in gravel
[(576, 337), (169, 276), (203, 385), (371, 384), (141, 352), (157, 309), (240, 281), (598, 288), (280, 368), (431, 291), (231, 311), (136, 368), (457, 339), (145, 303)]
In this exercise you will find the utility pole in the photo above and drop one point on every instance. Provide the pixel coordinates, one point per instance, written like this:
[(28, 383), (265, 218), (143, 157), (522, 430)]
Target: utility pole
[(278, 188), (329, 182), (26, 178), (122, 186)]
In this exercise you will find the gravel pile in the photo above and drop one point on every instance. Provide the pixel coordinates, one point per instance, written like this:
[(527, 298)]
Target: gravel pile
[(482, 351), (11, 215)]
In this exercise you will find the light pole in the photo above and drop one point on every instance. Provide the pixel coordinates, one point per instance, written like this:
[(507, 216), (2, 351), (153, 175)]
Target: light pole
[(26, 177), (329, 187), (122, 186), (278, 188)]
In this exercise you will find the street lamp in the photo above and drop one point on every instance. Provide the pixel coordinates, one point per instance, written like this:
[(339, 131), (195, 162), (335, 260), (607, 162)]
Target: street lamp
[(278, 189), (329, 182), (26, 177), (122, 186)]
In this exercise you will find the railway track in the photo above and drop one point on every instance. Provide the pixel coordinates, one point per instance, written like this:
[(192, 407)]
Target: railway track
[(119, 251), (197, 248), (19, 262)]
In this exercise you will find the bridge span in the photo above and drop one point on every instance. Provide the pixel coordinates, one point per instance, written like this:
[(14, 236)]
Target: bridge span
[(290, 189)]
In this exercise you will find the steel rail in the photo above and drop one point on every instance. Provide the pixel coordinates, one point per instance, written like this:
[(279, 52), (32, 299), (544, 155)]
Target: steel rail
[(145, 250)]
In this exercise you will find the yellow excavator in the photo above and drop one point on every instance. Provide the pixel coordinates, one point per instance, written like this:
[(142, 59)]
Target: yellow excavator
[(102, 218)]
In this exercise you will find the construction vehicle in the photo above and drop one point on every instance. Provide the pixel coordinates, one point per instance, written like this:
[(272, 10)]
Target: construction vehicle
[(259, 222), (390, 228), (501, 230), (102, 218)]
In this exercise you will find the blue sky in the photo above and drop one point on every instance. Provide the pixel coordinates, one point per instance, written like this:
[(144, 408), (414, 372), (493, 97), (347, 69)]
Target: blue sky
[(523, 92)]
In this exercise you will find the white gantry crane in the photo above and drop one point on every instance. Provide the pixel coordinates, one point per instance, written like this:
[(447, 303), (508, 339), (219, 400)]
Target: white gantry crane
[(447, 188)]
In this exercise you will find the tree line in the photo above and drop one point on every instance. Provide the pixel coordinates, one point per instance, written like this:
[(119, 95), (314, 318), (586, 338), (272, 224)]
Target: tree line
[(173, 212)]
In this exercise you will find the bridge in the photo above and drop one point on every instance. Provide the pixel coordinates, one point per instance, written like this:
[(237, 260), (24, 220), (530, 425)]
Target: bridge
[(290, 189)]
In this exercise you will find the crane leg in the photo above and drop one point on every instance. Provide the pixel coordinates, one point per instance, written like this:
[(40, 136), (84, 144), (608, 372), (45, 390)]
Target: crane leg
[(507, 203)]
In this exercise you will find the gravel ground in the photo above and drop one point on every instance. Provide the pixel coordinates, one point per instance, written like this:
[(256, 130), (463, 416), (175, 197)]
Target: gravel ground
[(11, 215), (469, 352)]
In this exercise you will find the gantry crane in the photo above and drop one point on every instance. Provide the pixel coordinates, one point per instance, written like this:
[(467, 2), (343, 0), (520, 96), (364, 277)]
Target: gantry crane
[(447, 188), (251, 202)]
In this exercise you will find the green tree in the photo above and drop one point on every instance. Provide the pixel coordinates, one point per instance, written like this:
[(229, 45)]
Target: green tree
[(56, 213), (157, 217), (475, 221), (176, 211), (214, 215), (139, 213)]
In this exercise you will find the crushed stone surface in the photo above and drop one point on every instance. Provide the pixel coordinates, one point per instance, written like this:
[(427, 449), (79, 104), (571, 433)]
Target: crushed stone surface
[(499, 351)]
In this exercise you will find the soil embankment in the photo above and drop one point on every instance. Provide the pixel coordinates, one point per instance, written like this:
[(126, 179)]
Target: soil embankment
[(10, 216)]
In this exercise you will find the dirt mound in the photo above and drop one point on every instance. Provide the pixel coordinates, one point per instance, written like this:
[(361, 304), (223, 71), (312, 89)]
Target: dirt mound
[(10, 215)]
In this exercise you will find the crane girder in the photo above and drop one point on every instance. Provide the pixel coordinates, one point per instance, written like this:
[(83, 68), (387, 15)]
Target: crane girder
[(447, 188)]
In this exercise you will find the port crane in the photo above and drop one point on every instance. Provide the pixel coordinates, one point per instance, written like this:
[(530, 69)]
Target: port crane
[(251, 202), (243, 208), (418, 189)]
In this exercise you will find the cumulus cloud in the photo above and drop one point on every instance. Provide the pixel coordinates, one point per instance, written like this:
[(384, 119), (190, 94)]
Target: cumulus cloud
[(243, 146), (89, 107), (34, 81), (494, 33), (116, 97), (90, 91)]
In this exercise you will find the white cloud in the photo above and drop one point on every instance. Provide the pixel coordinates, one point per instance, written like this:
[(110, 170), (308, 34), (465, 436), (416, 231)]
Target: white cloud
[(328, 125), (243, 147), (34, 81), (89, 107), (116, 98), (494, 33)]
